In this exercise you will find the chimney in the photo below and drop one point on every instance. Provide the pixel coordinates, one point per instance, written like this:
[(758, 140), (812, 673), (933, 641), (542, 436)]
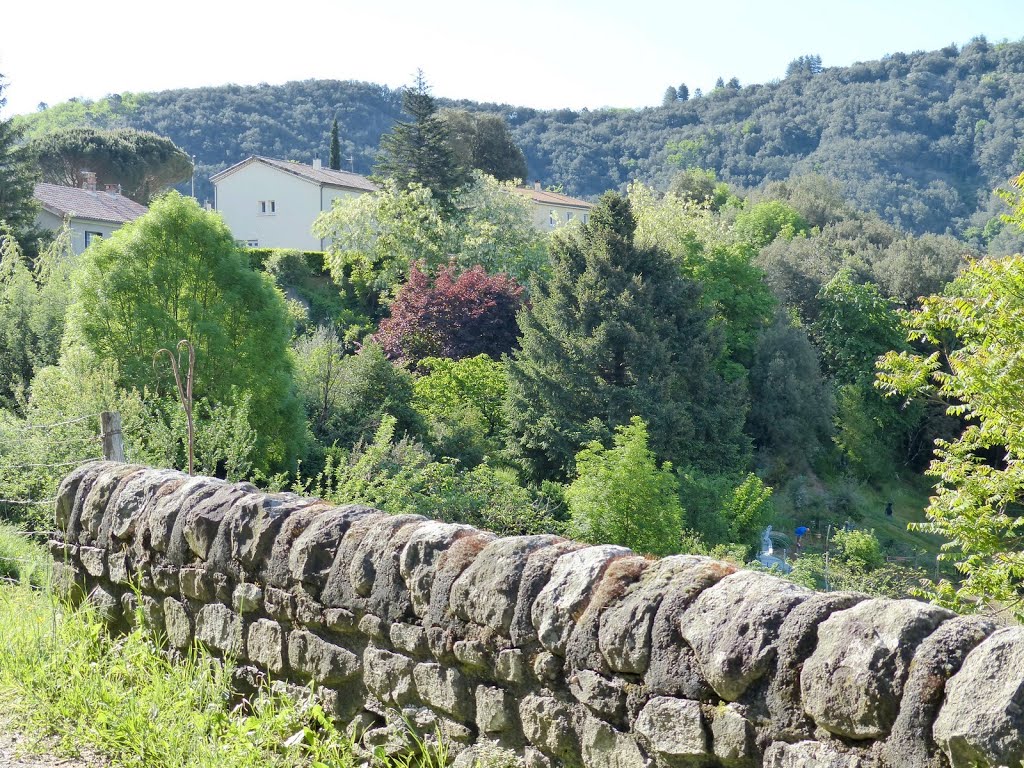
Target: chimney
[(317, 163), (112, 189), (536, 185), (89, 181)]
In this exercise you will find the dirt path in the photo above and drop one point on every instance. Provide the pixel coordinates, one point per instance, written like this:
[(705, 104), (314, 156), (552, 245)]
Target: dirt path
[(18, 752)]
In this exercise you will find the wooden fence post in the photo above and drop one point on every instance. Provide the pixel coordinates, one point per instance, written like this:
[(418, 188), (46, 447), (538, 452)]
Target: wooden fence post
[(113, 441)]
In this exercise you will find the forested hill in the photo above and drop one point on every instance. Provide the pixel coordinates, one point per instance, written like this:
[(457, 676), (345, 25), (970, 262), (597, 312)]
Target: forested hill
[(921, 138)]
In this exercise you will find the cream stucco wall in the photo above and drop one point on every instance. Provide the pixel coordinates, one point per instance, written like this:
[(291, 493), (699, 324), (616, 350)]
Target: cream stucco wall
[(296, 201), (562, 215), (47, 220)]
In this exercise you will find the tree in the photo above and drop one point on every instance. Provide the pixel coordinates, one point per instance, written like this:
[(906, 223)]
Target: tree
[(174, 274), (855, 326), (33, 302), (764, 222), (348, 396), (616, 332), (804, 65), (483, 142), (17, 179), (454, 316), (375, 239), (141, 163), (335, 158), (975, 334), (419, 152), (621, 496), (671, 96), (683, 93), (791, 406)]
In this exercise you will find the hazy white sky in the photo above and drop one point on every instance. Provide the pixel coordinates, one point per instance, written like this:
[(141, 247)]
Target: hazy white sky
[(539, 53)]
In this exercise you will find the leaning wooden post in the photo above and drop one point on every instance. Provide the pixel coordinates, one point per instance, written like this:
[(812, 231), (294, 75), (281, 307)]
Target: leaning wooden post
[(113, 441)]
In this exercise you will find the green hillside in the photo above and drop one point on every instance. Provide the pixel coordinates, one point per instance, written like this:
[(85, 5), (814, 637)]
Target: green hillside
[(921, 138)]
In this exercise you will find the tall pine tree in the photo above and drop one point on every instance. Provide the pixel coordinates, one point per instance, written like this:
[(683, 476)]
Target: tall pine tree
[(419, 151), (617, 332), (17, 180), (335, 162)]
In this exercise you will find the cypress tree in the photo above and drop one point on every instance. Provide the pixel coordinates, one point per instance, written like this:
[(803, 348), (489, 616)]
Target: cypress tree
[(335, 162), (419, 151), (617, 332)]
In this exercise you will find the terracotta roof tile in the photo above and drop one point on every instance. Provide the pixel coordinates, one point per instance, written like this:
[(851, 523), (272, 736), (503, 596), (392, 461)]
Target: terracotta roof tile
[(325, 176), (543, 197), (86, 204)]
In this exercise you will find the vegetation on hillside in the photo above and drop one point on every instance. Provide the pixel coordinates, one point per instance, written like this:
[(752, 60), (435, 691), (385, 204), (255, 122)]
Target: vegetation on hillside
[(921, 138)]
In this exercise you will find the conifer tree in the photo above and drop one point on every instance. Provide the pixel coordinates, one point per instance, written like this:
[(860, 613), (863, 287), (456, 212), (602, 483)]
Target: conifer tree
[(617, 332), (418, 152), (335, 160)]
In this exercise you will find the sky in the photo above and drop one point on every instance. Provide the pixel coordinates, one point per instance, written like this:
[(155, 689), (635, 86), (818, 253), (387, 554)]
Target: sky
[(536, 53)]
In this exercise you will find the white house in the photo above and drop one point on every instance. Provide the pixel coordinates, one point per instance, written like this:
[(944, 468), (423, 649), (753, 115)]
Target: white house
[(91, 214), (553, 209), (270, 203)]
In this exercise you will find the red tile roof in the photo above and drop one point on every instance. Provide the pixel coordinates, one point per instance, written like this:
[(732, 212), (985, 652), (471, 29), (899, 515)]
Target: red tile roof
[(324, 176), (543, 197), (87, 204)]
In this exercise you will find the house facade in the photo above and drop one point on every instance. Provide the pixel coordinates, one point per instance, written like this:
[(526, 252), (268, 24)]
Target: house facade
[(270, 203), (553, 209), (90, 213)]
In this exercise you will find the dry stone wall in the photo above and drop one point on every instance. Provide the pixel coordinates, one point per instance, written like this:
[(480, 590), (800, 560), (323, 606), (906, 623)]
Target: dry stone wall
[(564, 654)]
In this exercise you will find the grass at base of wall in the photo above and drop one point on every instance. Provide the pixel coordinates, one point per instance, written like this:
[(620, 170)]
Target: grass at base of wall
[(62, 676)]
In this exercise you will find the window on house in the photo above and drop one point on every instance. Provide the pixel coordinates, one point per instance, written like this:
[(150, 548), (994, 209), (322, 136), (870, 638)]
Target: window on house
[(252, 243), (92, 237), (552, 219), (568, 216), (586, 217), (268, 207)]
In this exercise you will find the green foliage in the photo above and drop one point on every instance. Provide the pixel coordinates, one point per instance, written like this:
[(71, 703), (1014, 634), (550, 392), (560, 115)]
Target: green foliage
[(901, 135), (402, 477), (764, 222), (81, 689), (791, 406), (858, 549), (976, 329), (334, 162), (347, 396), (462, 403), (17, 178), (33, 302), (173, 274), (419, 152), (142, 163), (733, 287), (22, 560), (617, 332), (701, 187), (482, 142), (855, 563), (376, 238), (621, 496), (855, 326), (725, 509)]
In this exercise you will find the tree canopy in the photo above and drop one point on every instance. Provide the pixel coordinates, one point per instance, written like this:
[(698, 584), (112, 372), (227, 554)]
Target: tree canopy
[(483, 142), (176, 273), (419, 151), (618, 332), (141, 163)]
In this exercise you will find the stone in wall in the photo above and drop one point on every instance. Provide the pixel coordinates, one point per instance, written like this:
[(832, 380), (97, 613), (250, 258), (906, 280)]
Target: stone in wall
[(554, 652)]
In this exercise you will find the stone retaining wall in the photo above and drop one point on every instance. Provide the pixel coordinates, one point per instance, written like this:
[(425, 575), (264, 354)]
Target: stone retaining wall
[(565, 654)]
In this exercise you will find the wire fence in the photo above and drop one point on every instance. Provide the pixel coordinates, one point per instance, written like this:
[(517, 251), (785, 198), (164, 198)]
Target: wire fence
[(31, 483)]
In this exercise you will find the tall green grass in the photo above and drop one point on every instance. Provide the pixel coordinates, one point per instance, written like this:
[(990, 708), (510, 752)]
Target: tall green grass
[(22, 560), (64, 677)]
